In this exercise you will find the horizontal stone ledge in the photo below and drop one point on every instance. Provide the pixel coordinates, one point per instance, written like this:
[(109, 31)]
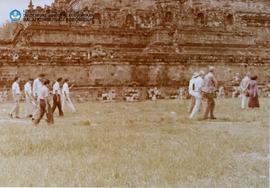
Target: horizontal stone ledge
[(143, 45)]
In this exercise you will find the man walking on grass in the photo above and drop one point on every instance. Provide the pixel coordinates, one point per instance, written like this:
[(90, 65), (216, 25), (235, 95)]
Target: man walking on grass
[(57, 99), (29, 100), (190, 91), (37, 85), (209, 93), (16, 94), (44, 104), (196, 93)]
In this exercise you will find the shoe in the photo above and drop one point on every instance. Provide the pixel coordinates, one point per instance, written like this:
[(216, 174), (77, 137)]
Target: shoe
[(11, 116), (17, 117), (212, 118), (30, 116)]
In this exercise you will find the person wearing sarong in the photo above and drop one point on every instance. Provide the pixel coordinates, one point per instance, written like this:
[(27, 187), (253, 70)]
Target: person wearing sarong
[(253, 93)]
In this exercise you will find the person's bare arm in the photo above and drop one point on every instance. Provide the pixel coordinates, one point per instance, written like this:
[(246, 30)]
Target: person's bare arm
[(256, 89), (47, 99), (32, 97), (215, 81), (28, 95)]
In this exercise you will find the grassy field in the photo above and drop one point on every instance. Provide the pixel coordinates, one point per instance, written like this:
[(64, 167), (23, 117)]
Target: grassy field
[(144, 144)]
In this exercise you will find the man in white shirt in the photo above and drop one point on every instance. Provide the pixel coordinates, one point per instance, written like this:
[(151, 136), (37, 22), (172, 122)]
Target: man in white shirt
[(44, 104), (16, 93), (243, 90), (196, 93), (66, 97), (37, 85), (190, 91), (29, 100), (57, 101)]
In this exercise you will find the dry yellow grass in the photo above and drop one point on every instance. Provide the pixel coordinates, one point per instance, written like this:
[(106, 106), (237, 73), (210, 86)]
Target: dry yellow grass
[(145, 144)]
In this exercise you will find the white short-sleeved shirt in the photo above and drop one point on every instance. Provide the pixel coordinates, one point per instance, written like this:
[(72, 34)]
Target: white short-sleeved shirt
[(244, 83), (65, 88), (195, 86), (198, 84), (56, 88), (16, 88), (44, 93), (191, 86), (28, 88), (37, 85)]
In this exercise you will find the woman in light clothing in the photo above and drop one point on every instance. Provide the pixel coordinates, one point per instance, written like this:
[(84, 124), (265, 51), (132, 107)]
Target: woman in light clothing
[(66, 97)]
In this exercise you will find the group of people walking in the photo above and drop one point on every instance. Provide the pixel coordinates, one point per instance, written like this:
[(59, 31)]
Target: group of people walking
[(37, 98), (203, 88)]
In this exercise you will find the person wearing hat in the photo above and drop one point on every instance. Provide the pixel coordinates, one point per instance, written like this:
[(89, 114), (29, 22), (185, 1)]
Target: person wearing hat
[(197, 85), (244, 90), (201, 77), (190, 91), (209, 93)]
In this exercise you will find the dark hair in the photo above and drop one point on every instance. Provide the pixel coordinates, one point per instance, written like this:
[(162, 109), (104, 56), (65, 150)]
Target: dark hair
[(31, 79), (59, 79), (41, 75), (16, 78), (66, 80), (46, 82), (254, 77)]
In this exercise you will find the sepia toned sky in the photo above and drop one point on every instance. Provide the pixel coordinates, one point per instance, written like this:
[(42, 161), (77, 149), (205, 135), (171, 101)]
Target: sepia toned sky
[(6, 6)]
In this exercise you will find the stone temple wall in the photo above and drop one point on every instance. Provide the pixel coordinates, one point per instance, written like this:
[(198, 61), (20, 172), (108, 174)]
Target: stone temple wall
[(139, 43)]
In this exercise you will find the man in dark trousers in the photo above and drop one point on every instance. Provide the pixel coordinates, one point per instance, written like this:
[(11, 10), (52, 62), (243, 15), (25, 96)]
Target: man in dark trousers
[(57, 102), (44, 105)]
